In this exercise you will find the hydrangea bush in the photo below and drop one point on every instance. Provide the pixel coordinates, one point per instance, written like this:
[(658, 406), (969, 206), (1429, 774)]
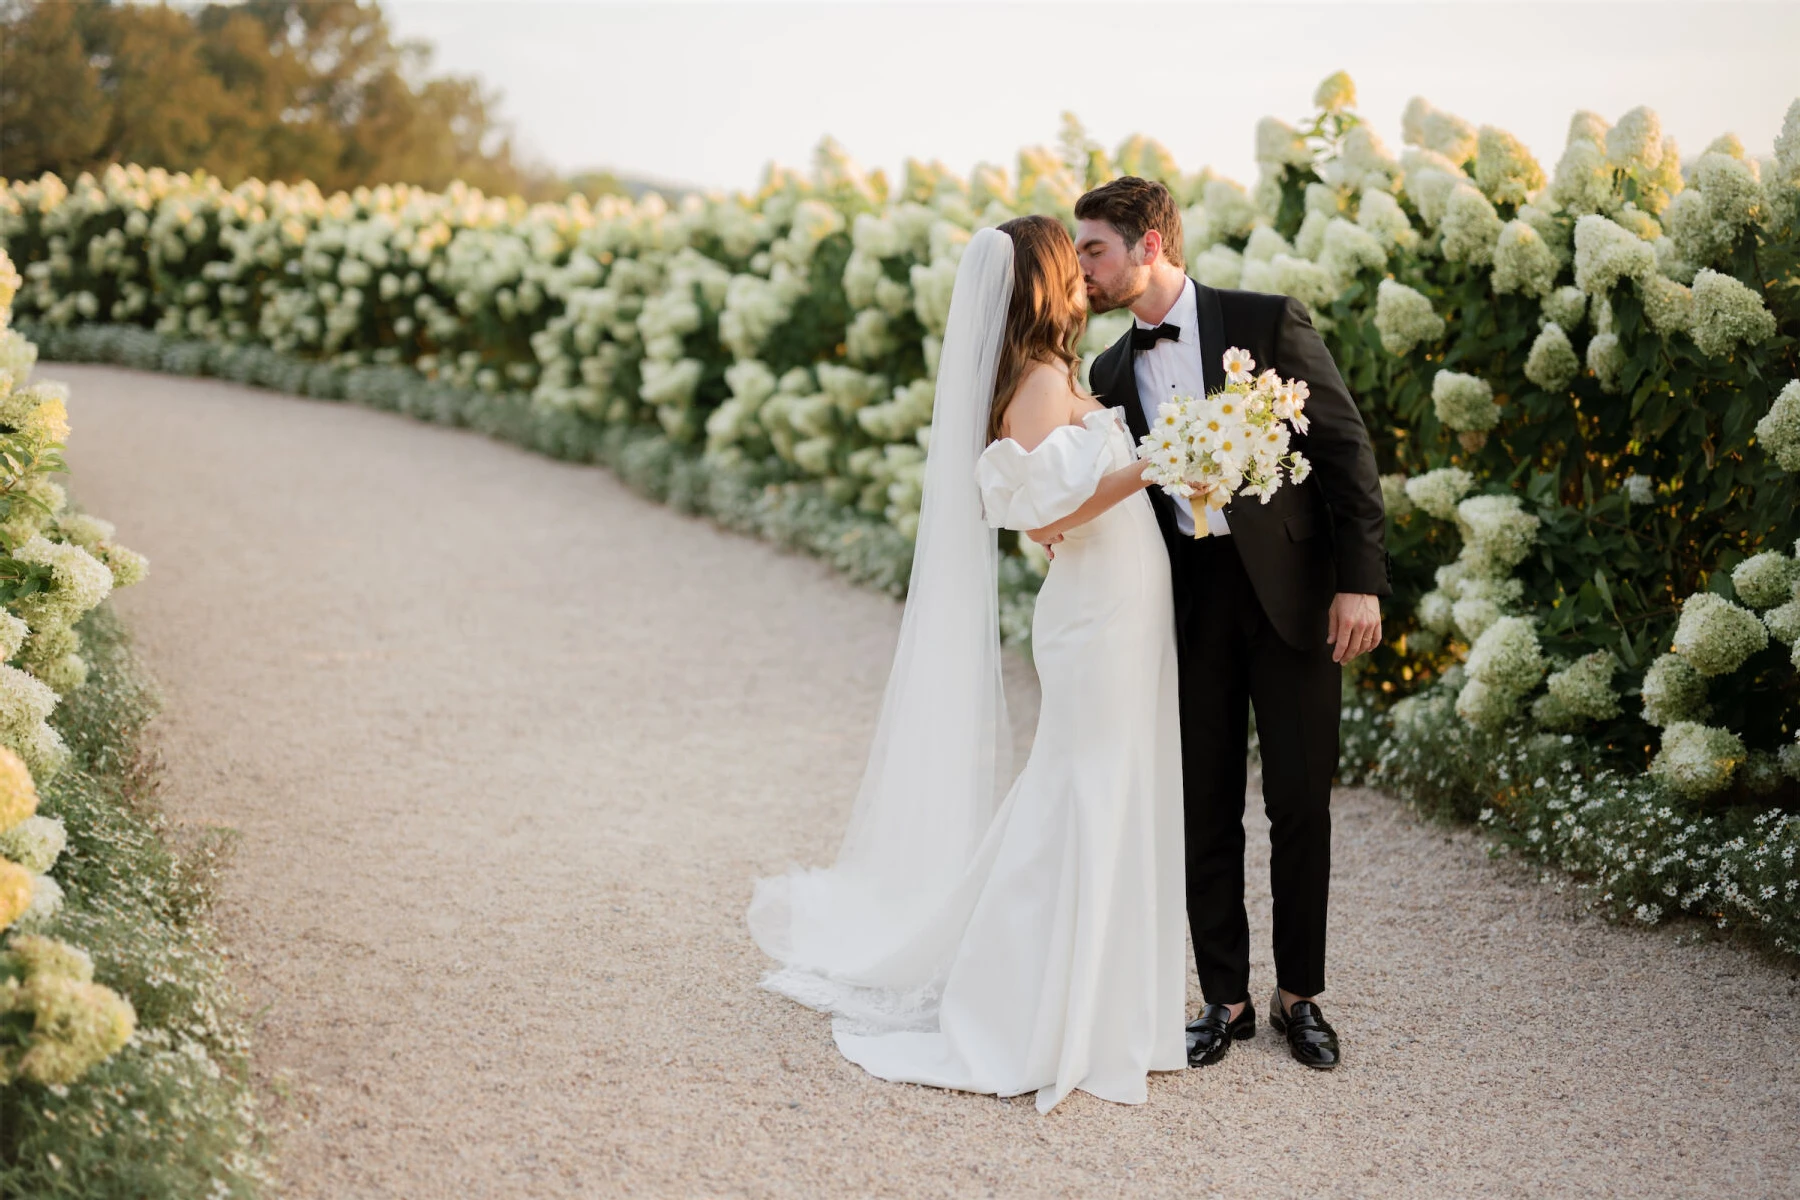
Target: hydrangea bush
[(121, 1071), (1580, 377)]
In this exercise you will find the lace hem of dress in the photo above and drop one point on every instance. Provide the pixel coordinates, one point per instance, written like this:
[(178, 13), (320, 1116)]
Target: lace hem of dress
[(858, 1009)]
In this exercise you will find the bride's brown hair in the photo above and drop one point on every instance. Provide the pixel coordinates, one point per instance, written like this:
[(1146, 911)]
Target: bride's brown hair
[(1043, 322)]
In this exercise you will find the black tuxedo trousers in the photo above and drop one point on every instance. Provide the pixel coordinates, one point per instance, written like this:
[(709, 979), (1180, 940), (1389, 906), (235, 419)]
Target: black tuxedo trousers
[(1232, 660)]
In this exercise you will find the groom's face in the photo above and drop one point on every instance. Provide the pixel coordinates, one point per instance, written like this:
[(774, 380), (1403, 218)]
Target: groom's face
[(1116, 274)]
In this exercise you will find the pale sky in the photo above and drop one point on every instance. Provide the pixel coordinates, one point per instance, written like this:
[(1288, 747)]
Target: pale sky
[(708, 93)]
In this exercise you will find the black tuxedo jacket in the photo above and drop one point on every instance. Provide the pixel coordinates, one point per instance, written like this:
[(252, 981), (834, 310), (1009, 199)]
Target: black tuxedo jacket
[(1310, 541)]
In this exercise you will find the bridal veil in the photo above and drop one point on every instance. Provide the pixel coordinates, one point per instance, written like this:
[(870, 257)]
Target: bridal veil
[(851, 936)]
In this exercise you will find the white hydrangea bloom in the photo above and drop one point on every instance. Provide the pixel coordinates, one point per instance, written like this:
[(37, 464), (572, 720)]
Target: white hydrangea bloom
[(1724, 198), (1606, 252), (1258, 277), (1787, 150), (1567, 306), (1789, 757), (1640, 223), (1779, 430), (1364, 163), (1436, 612), (1587, 126), (1606, 359), (1726, 143), (1336, 93), (1636, 142), (1470, 226), (1218, 267), (1412, 121), (1668, 306), (1696, 761), (24, 703), (1380, 214), (1554, 227), (1726, 313), (1307, 282), (1326, 199), (1522, 261), (1765, 580), (1656, 187), (863, 273), (1349, 250), (1424, 125), (128, 567), (1506, 663), (868, 337), (1715, 636), (1229, 212), (13, 633), (1504, 169), (85, 530), (79, 583), (35, 843), (1486, 707), (1639, 489), (1673, 691), (1583, 180), (1452, 578), (1265, 244), (1497, 534), (1310, 239), (1429, 190), (1464, 403), (46, 901), (931, 284), (1437, 492), (670, 383), (1584, 688), (1414, 159), (1475, 615), (1280, 144), (1783, 623), (1394, 499), (1552, 362), (1404, 317), (1265, 195)]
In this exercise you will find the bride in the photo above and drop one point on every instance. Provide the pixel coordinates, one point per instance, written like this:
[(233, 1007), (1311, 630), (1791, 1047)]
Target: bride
[(1036, 944)]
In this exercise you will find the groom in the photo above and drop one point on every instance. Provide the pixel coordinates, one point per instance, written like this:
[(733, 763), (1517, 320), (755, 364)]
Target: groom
[(1267, 608)]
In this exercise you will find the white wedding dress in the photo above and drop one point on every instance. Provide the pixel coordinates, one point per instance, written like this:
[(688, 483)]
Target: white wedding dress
[(1040, 948)]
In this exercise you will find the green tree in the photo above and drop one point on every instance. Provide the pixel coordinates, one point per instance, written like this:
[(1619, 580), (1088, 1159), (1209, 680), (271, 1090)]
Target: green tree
[(53, 109), (275, 89)]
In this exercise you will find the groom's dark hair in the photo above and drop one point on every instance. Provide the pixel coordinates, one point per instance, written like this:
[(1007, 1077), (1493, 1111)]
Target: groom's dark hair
[(1132, 206)]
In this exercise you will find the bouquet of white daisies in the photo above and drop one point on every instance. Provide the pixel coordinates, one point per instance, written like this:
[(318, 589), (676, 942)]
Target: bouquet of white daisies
[(1231, 443)]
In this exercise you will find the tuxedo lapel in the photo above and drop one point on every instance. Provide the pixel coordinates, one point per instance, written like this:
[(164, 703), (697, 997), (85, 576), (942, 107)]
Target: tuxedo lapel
[(1121, 391), (1212, 337)]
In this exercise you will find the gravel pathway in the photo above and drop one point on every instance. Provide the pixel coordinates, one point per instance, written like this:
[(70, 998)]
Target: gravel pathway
[(506, 746)]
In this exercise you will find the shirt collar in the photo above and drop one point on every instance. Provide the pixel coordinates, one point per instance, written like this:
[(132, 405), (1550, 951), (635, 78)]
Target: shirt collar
[(1185, 316)]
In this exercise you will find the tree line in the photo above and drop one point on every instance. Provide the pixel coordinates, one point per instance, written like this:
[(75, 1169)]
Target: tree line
[(271, 89)]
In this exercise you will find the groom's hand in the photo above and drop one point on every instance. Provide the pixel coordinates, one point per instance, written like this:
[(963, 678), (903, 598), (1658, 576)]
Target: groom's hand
[(1355, 625)]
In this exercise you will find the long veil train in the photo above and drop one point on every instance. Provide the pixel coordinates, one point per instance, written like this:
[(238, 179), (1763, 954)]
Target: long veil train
[(856, 938)]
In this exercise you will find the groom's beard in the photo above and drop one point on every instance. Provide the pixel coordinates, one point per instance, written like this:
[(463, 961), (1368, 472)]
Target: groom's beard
[(1101, 300)]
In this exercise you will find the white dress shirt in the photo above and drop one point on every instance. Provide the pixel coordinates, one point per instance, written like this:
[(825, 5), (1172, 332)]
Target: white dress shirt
[(1173, 368)]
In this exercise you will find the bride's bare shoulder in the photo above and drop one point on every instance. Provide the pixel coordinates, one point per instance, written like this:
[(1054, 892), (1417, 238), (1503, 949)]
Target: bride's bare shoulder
[(1045, 398)]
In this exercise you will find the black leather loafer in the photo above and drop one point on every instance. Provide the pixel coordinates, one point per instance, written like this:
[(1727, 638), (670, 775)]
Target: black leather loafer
[(1312, 1041), (1210, 1035)]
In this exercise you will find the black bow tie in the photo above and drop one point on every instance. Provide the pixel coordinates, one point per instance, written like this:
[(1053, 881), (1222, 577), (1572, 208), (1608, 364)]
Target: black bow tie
[(1144, 339)]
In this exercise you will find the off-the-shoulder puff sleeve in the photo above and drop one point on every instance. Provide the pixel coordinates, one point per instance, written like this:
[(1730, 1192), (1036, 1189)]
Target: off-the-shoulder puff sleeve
[(1029, 489)]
